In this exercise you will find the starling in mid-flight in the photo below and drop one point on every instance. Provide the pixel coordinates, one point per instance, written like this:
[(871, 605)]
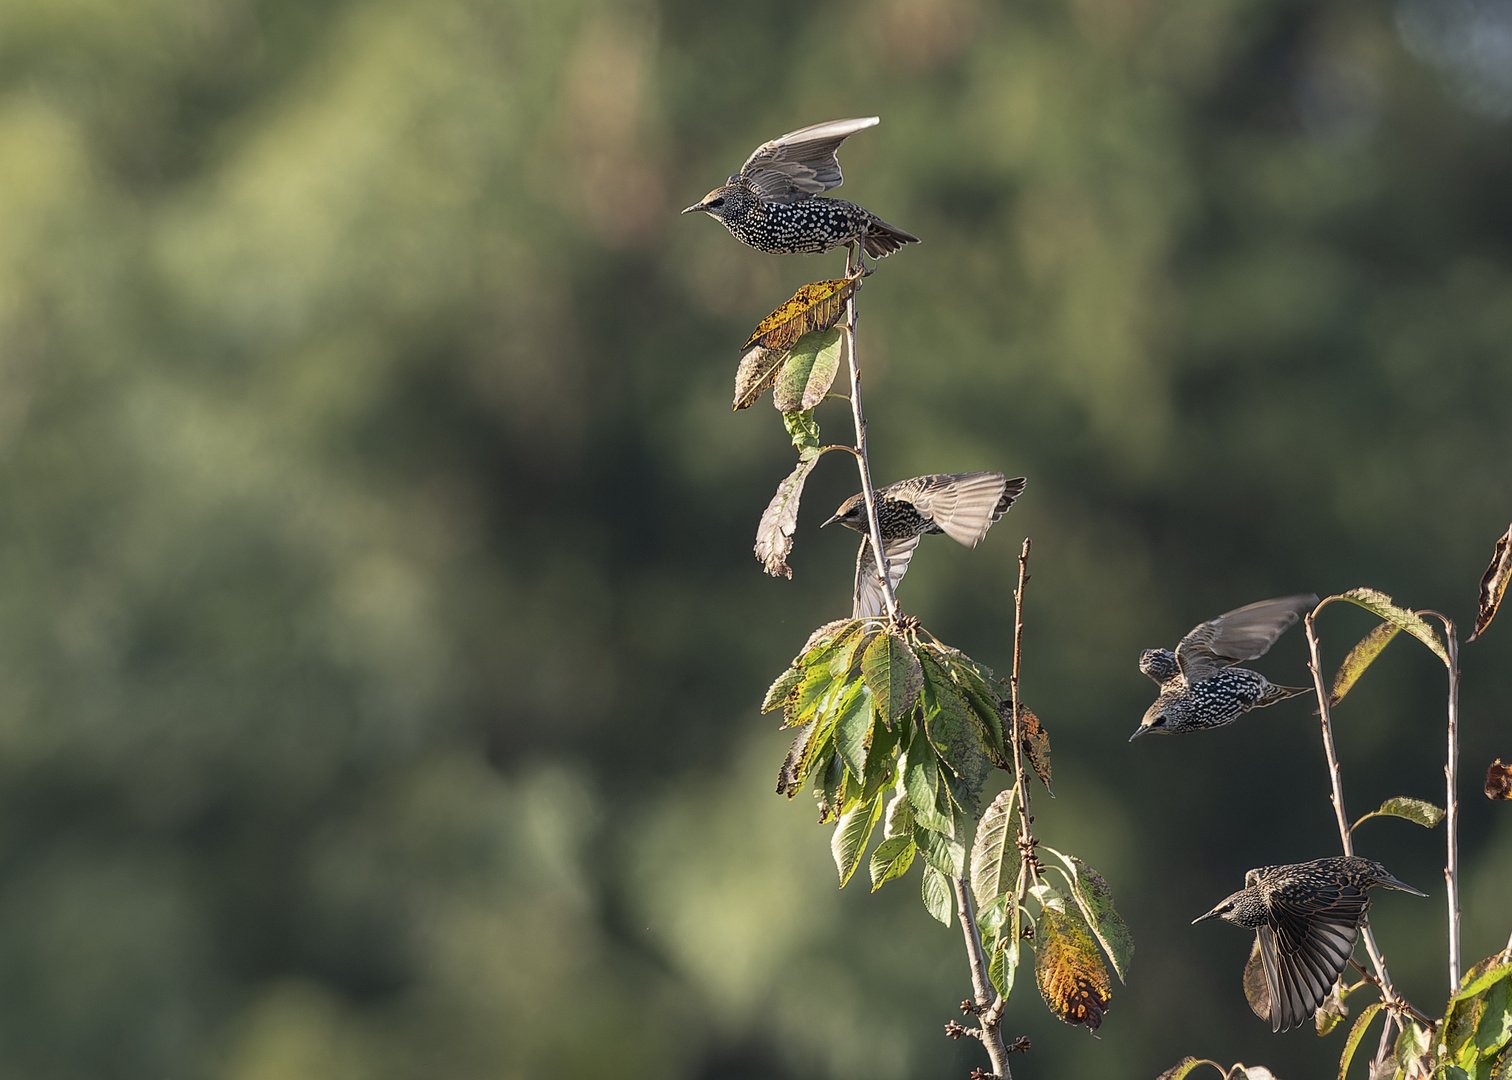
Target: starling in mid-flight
[(1200, 687), (963, 506), (771, 205), (1307, 918)]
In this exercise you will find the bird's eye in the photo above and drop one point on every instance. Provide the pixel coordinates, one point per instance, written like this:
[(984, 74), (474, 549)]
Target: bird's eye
[(716, 202), (1159, 720)]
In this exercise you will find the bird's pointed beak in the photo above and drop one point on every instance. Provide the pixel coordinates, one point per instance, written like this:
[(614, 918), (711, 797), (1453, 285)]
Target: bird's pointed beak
[(1401, 886), (1142, 729), (1210, 915), (695, 208), (833, 518)]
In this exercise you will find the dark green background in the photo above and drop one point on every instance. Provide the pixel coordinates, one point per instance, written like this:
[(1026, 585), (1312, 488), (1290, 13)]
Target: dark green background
[(380, 642)]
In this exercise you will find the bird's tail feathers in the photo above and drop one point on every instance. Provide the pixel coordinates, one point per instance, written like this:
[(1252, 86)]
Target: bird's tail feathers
[(1273, 693), (883, 239)]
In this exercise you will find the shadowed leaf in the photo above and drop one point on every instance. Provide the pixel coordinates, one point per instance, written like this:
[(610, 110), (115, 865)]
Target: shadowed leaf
[(1360, 658), (1069, 969), (954, 732), (808, 373), (853, 724), (758, 370), (1329, 1013), (1034, 739), (816, 306), (1381, 605), (995, 858), (803, 429), (1182, 1068), (1356, 1033), (1095, 899), (1499, 780), (1418, 811), (1256, 989), (782, 686), (851, 834), (774, 533), (892, 671), (795, 766), (921, 778), (1411, 1046), (1493, 584), (1495, 1027), (938, 899), (892, 859), (945, 854)]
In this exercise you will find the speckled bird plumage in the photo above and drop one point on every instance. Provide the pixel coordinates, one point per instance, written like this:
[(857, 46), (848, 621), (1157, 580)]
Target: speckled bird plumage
[(961, 505), (1306, 917), (771, 205), (1200, 688)]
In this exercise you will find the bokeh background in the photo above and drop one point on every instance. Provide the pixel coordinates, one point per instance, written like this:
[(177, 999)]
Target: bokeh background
[(380, 641)]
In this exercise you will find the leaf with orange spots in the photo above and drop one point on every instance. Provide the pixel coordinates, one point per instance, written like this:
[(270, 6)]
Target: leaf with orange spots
[(817, 306), (1069, 969)]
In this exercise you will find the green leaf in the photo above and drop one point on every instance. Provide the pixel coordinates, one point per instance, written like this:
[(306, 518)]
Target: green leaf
[(853, 724), (1491, 970), (803, 701), (946, 855), (880, 761), (1411, 1045), (892, 859), (794, 771), (774, 533), (938, 898), (956, 735), (1330, 1012), (1360, 658), (804, 431), (783, 685), (1419, 811), (1495, 1028), (1180, 1070), (851, 835), (1069, 969), (995, 858), (843, 656), (809, 371), (826, 638), (900, 817), (921, 779), (892, 671), (1356, 1033), (1382, 606), (830, 771), (1095, 899)]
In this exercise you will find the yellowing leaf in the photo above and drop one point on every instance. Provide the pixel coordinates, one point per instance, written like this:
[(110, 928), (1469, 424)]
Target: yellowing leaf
[(1329, 1013), (1360, 658), (809, 372), (1378, 603), (1499, 780), (1493, 584), (1069, 969), (817, 306), (1356, 1033)]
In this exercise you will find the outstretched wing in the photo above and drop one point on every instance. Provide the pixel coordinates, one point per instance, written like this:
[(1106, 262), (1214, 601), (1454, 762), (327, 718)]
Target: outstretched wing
[(1241, 634), (1309, 939), (802, 162), (871, 601), (962, 505)]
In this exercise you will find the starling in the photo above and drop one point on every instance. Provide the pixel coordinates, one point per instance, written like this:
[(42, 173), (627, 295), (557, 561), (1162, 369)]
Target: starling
[(1307, 918), (963, 506), (770, 203), (1199, 686)]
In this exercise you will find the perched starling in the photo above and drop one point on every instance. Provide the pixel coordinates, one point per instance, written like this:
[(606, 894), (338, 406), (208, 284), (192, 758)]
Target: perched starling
[(770, 203), (1307, 918), (1199, 686), (963, 506)]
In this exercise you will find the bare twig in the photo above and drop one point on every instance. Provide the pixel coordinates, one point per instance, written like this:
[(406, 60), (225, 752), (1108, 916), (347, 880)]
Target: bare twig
[(1451, 800), (863, 463)]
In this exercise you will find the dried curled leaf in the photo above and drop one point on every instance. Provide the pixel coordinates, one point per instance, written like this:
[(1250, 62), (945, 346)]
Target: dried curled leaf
[(795, 766), (774, 533), (757, 372), (817, 306), (808, 372), (1499, 780), (1069, 969), (1360, 658), (1035, 740), (1256, 989), (1493, 584)]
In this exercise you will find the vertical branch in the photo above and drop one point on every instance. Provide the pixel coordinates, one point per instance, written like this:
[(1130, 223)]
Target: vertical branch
[(1451, 800), (1025, 837), (863, 462)]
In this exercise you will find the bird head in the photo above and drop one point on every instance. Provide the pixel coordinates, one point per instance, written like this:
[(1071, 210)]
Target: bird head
[(1159, 664), (1243, 908), (852, 514), (1155, 721), (727, 203)]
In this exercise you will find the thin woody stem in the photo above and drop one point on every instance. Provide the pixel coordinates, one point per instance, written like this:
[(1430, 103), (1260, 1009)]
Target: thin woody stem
[(1451, 800), (863, 462)]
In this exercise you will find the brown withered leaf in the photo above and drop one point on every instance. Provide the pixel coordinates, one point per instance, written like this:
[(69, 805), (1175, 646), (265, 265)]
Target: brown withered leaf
[(1493, 583), (1256, 989), (1069, 969), (1499, 780), (1036, 742), (774, 532), (817, 306), (758, 370)]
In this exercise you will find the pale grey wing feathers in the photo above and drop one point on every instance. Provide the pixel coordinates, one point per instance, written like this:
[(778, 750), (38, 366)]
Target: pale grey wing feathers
[(1241, 634), (802, 162), (871, 601), (963, 505)]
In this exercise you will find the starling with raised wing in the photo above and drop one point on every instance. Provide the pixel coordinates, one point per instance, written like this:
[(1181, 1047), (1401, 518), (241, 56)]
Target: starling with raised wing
[(771, 205), (1200, 687), (1306, 919), (963, 506)]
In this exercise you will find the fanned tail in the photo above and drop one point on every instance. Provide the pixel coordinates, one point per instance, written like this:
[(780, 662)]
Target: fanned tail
[(1273, 693), (883, 239)]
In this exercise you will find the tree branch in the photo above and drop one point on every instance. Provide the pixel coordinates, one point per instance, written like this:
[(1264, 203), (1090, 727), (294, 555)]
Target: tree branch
[(863, 462), (1451, 800)]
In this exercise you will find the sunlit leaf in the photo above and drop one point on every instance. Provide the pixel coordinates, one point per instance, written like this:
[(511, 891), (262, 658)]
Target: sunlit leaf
[(1419, 811), (816, 306), (1493, 584), (939, 900), (826, 637), (1499, 780), (892, 671), (1330, 1011), (1095, 899), (1256, 989), (782, 686), (900, 817), (892, 859), (774, 533), (1495, 1027), (945, 854), (1411, 1046), (757, 371), (809, 371), (806, 698), (921, 778), (1182, 1068), (1382, 606), (803, 429), (1069, 968), (1356, 1033), (1360, 658), (851, 834), (1491, 970), (829, 773), (853, 723), (995, 858), (843, 656)]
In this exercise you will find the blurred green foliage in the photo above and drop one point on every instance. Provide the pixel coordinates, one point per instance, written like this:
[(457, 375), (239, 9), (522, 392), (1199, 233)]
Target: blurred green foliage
[(380, 642)]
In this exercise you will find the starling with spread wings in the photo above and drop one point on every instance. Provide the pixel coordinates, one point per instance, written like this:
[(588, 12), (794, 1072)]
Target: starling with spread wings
[(771, 203), (963, 506), (1200, 687), (1306, 918)]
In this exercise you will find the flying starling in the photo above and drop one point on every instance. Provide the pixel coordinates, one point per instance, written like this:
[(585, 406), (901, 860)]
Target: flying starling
[(1307, 918), (963, 506), (770, 203), (1199, 686)]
